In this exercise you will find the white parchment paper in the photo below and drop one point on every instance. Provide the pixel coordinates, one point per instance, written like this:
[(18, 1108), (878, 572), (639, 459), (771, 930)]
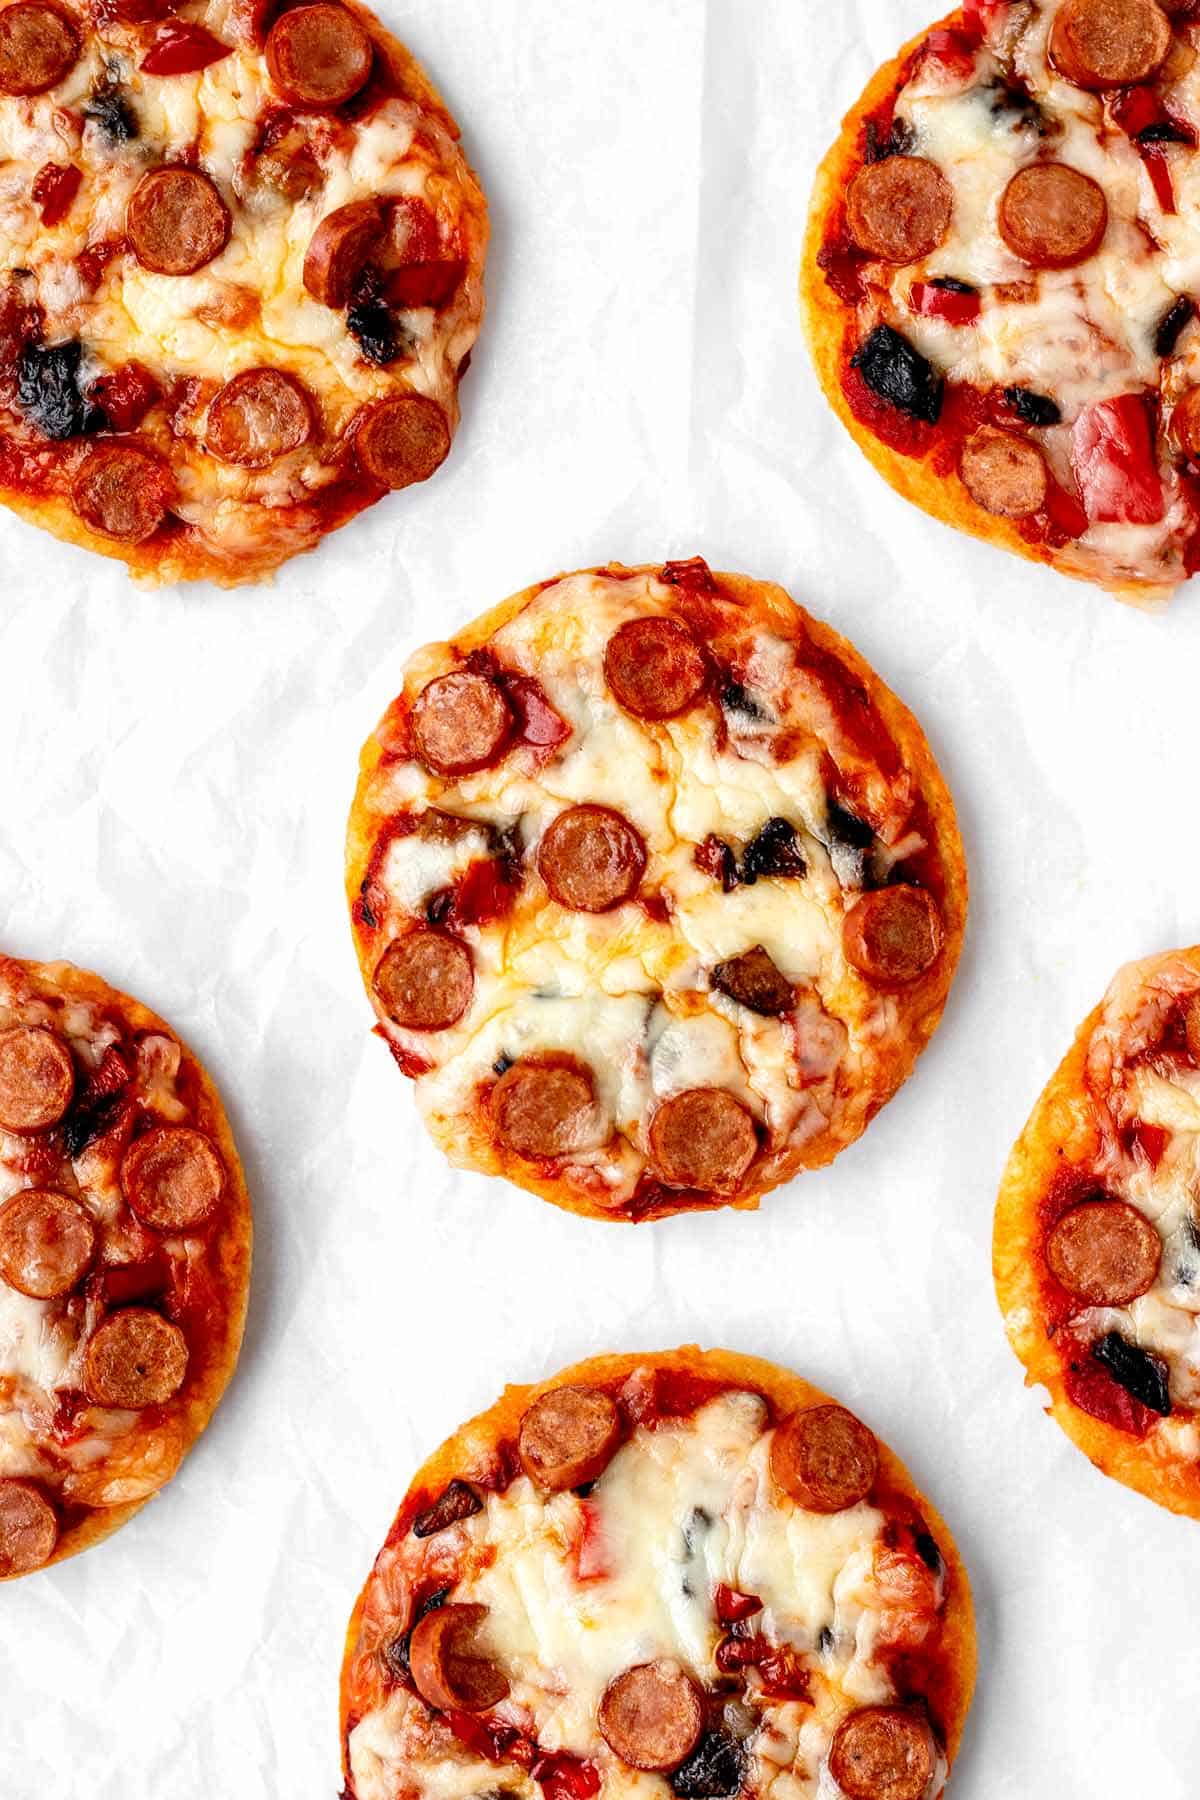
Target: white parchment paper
[(175, 771)]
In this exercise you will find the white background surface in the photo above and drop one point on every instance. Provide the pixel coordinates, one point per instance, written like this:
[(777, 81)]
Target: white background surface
[(175, 771)]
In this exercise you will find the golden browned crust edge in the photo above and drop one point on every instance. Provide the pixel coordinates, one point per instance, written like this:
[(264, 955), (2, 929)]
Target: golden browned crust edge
[(789, 1392), (825, 317), (234, 1246), (908, 735), (1061, 1129), (183, 557)]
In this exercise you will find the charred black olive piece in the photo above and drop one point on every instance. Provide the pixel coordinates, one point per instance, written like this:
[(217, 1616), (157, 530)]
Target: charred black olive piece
[(715, 1767), (48, 391), (734, 698), (899, 374), (395, 1651), (1171, 325), (456, 1503), (1033, 409), (900, 139), (372, 324), (1144, 1377), (775, 851), (86, 1123), (110, 110)]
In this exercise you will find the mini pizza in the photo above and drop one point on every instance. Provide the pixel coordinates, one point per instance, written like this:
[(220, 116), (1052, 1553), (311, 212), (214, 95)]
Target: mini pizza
[(241, 272), (1097, 1244), (681, 1574), (656, 890), (999, 282), (124, 1259)]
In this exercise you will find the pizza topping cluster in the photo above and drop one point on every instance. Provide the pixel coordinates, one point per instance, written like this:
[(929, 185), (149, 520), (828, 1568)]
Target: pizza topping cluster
[(650, 895), (1018, 248), (1119, 1232), (109, 1194), (241, 274), (656, 1580)]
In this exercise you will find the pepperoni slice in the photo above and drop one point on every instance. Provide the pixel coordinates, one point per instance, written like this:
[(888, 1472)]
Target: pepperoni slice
[(1004, 473), (544, 1109), (173, 1178), (753, 980), (460, 723), (28, 1528), (123, 492), (446, 1665), (401, 440), (424, 980), (1052, 216), (825, 1459), (655, 667), (1104, 1252), (652, 1715), (568, 1436), (882, 1753), (1110, 43), (703, 1138), (37, 1078), (176, 221), (46, 1243), (591, 859), (899, 209), (339, 250), (893, 934), (134, 1358), (258, 417), (38, 44), (1185, 424), (318, 55)]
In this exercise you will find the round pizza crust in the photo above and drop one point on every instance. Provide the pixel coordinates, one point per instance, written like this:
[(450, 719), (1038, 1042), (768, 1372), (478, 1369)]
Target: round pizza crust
[(1061, 1130), (474, 1444), (923, 1000), (825, 318), (212, 1358)]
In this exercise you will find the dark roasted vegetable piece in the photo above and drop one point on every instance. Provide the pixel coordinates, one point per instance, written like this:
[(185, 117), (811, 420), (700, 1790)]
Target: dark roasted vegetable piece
[(86, 1123), (714, 1767), (950, 284), (899, 374), (845, 828), (457, 1502), (110, 110), (775, 851), (372, 324), (734, 698), (1034, 409), (926, 1548), (48, 391), (899, 141), (753, 980), (1143, 1376), (1171, 325), (1165, 131), (395, 1652)]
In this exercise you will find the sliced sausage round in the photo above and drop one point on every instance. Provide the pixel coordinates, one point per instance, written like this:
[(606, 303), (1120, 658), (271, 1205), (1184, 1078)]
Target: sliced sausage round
[(824, 1458), (173, 1178), (655, 667), (37, 1078), (1052, 216), (568, 1436), (883, 1753), (339, 249), (401, 440), (753, 980), (134, 1358), (544, 1110), (258, 417), (47, 1242), (1185, 424), (591, 858), (176, 221), (38, 44), (1004, 473), (899, 209), (1104, 1252), (1110, 43), (461, 722), (652, 1716), (424, 980), (893, 934), (703, 1138), (28, 1528), (448, 1670), (123, 492), (318, 55)]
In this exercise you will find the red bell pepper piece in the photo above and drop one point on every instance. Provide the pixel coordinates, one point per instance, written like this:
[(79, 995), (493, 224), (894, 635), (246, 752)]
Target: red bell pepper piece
[(181, 49), (54, 189), (1112, 452), (980, 15), (948, 303)]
